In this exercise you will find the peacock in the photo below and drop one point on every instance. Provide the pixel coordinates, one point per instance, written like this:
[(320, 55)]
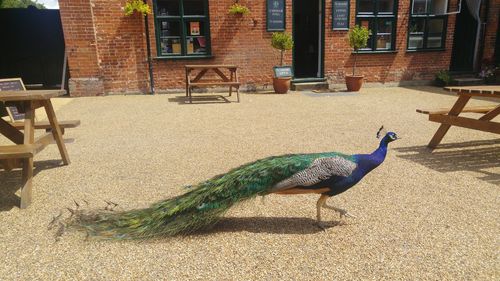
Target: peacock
[(326, 174)]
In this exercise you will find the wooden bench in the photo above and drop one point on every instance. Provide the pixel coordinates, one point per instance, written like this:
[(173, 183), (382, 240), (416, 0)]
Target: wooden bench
[(222, 79), (45, 125), (474, 109), (22, 154), (451, 117), (12, 155), (19, 151)]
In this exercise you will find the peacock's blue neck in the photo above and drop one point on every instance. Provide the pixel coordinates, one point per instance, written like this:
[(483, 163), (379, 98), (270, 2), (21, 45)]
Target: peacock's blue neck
[(381, 151), (368, 162)]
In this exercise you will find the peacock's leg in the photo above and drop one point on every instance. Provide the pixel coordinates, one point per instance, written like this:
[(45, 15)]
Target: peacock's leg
[(319, 204)]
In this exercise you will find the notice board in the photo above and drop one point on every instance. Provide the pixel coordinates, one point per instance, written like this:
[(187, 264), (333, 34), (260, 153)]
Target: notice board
[(276, 15), (11, 109), (283, 71), (340, 14)]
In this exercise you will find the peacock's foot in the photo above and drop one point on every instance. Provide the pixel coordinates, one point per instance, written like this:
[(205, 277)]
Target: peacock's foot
[(344, 213)]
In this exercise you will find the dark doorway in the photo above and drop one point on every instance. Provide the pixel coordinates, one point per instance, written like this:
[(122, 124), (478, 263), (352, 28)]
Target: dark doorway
[(307, 36), (462, 56), (32, 46)]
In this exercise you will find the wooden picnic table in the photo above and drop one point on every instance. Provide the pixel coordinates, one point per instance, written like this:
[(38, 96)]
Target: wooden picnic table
[(220, 80), (450, 117), (26, 146)]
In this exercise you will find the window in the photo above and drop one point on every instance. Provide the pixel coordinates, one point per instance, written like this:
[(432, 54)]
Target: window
[(380, 17), (182, 28), (427, 28)]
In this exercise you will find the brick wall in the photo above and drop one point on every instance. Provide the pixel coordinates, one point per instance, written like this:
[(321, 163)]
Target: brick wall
[(80, 41), (490, 31), (110, 48), (383, 68)]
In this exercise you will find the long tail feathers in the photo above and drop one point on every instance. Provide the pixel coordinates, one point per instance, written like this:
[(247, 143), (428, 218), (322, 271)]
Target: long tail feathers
[(199, 208), (202, 206)]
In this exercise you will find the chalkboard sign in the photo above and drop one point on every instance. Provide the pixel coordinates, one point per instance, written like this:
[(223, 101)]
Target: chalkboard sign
[(283, 71), (340, 14), (13, 110), (276, 15)]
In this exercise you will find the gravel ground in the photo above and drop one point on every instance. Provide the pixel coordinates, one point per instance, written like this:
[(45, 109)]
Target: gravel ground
[(420, 216)]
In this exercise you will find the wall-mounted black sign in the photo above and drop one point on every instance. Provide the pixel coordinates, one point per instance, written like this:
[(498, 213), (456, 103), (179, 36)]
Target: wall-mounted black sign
[(283, 71), (340, 14), (276, 15)]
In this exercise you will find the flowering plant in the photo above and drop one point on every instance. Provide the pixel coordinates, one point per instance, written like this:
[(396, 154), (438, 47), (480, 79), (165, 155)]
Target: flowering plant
[(237, 9), (487, 72), (136, 5)]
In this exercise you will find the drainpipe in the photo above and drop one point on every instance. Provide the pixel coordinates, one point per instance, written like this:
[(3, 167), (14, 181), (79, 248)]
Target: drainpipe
[(477, 15), (150, 63)]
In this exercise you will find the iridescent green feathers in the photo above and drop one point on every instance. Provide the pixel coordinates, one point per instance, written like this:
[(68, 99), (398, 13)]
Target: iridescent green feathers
[(202, 206)]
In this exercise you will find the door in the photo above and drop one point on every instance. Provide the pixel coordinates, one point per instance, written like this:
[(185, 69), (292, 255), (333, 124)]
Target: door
[(462, 56), (308, 38)]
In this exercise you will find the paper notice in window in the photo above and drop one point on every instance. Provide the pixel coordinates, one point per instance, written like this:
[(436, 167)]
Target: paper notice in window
[(194, 28)]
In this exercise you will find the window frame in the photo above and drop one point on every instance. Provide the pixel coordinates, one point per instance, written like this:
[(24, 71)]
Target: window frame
[(373, 17), (182, 19), (427, 16)]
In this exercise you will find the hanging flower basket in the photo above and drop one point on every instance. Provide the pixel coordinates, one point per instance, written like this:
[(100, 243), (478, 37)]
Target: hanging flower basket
[(237, 9), (136, 5)]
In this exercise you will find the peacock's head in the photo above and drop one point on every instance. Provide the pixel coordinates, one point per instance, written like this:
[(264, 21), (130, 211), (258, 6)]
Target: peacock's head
[(389, 136)]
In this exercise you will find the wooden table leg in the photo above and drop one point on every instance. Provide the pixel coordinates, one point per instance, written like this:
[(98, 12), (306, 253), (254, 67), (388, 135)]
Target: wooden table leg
[(237, 88), (492, 114), (443, 129), (56, 131), (10, 132), (231, 79), (29, 139), (187, 81)]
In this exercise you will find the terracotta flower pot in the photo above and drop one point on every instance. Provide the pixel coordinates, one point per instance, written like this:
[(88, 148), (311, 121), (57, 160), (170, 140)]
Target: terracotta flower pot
[(353, 82), (281, 85)]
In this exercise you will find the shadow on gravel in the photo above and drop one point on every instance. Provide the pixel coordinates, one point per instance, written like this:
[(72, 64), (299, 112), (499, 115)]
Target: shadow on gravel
[(10, 183), (482, 157), (272, 225)]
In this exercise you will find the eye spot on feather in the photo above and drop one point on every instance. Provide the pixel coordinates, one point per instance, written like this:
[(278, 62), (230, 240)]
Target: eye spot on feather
[(202, 206)]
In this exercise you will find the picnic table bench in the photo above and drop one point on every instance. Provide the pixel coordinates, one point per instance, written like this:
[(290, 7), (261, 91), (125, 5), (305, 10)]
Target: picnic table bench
[(221, 78), (22, 134), (45, 125), (450, 117)]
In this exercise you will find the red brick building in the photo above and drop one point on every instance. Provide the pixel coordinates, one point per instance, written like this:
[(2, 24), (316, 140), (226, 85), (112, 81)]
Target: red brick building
[(411, 41)]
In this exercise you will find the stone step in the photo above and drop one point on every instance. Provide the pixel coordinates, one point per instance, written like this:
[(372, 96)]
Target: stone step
[(466, 81), (301, 86)]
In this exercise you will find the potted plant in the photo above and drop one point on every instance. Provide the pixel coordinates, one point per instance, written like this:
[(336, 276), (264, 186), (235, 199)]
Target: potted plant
[(238, 9), (281, 41), (358, 39), (442, 78)]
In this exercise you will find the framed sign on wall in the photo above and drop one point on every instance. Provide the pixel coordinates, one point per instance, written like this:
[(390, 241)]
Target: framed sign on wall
[(276, 15), (340, 14)]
